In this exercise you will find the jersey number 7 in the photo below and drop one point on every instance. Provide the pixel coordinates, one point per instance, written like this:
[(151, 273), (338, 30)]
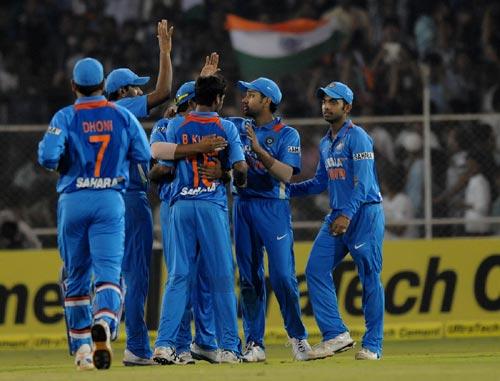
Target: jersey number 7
[(104, 140)]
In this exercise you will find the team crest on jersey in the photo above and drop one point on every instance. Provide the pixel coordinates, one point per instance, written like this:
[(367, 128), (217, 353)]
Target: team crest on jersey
[(269, 140)]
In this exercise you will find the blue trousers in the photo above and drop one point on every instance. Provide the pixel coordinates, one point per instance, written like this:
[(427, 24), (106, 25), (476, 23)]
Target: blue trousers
[(363, 240), (260, 223), (200, 304), (91, 232), (199, 228), (135, 270)]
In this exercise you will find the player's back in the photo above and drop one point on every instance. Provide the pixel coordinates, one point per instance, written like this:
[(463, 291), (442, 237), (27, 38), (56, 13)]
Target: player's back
[(188, 183), (95, 137)]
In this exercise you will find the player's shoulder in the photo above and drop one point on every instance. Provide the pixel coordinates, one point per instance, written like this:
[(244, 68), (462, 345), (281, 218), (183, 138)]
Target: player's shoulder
[(63, 116), (285, 131), (238, 121), (358, 132), (127, 102)]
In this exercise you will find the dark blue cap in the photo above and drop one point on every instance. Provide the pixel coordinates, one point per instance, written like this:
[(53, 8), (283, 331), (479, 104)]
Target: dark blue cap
[(185, 93), (336, 90), (265, 86), (88, 72)]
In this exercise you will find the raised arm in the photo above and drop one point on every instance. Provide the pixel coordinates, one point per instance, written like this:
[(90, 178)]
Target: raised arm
[(163, 87)]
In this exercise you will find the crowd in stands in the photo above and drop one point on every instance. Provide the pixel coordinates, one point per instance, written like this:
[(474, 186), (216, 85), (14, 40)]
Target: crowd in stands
[(384, 49)]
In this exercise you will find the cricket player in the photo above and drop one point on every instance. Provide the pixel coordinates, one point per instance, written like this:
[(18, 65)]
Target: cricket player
[(123, 87), (204, 346), (355, 225), (90, 144), (199, 225), (262, 219)]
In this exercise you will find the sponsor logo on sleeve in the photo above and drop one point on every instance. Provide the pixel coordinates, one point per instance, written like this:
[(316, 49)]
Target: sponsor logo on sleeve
[(363, 156), (54, 130), (293, 149)]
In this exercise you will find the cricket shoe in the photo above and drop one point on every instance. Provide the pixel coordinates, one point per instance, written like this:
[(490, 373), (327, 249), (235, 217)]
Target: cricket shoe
[(165, 356), (253, 353), (366, 354), (83, 358), (129, 359), (301, 349), (185, 358), (327, 348), (229, 357), (210, 355), (102, 354)]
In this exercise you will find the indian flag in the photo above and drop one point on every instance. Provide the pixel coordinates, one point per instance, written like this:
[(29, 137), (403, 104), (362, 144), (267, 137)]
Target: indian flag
[(276, 49)]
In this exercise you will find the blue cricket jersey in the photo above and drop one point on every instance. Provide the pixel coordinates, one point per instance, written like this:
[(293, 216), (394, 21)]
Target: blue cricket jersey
[(188, 184), (280, 141), (347, 168), (159, 134), (139, 180), (91, 144)]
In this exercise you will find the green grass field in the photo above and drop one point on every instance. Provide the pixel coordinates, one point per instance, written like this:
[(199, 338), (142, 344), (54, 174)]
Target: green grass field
[(449, 360)]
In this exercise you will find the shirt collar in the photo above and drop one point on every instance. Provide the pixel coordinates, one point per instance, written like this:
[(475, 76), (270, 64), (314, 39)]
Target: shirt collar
[(342, 132), (269, 125), (204, 113), (90, 99)]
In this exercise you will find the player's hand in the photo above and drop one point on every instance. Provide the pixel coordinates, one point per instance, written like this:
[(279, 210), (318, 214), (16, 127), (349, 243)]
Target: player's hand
[(339, 225), (212, 170), (170, 111), (212, 143), (256, 147), (211, 65), (165, 36)]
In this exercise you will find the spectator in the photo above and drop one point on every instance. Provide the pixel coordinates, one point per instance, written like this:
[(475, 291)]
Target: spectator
[(397, 205), (15, 233)]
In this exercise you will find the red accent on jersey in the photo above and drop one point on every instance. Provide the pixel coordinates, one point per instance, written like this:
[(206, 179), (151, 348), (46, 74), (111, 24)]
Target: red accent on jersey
[(278, 127), (95, 104)]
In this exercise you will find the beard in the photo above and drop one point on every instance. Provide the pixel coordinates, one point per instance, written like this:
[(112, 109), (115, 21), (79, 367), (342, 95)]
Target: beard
[(332, 118)]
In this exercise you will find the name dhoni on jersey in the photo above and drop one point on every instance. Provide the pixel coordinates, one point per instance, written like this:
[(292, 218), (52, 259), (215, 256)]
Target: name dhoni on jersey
[(98, 182), (97, 126)]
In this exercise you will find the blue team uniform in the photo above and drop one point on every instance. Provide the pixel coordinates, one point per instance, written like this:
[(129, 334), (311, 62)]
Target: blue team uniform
[(199, 227), (138, 243), (262, 218), (90, 143), (200, 304), (347, 169)]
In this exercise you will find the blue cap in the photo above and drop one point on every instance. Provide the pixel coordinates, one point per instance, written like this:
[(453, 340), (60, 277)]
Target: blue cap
[(123, 77), (336, 90), (265, 86), (185, 93), (88, 72)]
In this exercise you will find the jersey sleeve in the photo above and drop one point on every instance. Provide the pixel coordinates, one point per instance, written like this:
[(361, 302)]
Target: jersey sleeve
[(316, 185), (361, 149), (158, 134), (139, 147), (235, 146), (136, 105), (289, 150), (53, 144)]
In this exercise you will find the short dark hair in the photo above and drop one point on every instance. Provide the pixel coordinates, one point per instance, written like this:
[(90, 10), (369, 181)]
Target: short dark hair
[(88, 90), (208, 88), (273, 107), (115, 95), (183, 107)]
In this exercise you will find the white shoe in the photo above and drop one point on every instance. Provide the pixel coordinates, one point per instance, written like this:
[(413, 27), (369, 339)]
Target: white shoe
[(165, 356), (185, 358), (198, 353), (83, 358), (129, 359), (366, 354), (327, 348), (253, 353), (102, 354), (301, 349), (229, 357)]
